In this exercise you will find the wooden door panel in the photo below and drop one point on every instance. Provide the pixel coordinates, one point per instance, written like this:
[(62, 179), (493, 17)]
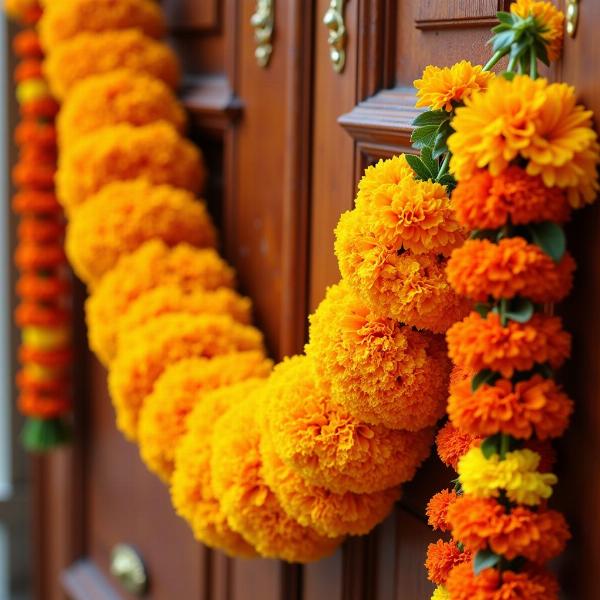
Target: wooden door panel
[(434, 14)]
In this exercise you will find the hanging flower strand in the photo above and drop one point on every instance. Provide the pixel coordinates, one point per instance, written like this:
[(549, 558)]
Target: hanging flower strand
[(518, 176)]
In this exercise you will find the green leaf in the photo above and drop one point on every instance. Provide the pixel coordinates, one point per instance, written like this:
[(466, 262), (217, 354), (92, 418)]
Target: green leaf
[(490, 446), (505, 17), (431, 117), (508, 75), (430, 162), (520, 310), (41, 435), (550, 237), (484, 376), (418, 166), (449, 181), (483, 234), (503, 40), (424, 136), (482, 309), (485, 559)]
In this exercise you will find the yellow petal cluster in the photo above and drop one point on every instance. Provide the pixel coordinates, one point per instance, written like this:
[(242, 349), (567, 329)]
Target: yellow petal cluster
[(385, 373), (124, 215), (192, 490), (64, 19), (251, 507), (442, 88), (326, 444), (179, 389), (89, 54), (517, 475), (152, 264), (122, 152), (147, 351), (536, 121), (121, 96)]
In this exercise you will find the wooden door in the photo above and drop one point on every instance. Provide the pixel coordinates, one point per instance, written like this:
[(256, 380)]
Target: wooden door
[(286, 146)]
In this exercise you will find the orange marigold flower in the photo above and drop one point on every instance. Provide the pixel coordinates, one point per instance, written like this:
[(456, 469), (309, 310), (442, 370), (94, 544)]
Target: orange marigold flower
[(89, 54), (328, 513), (452, 444), (151, 265), (549, 17), (192, 491), (484, 523), (28, 69), (442, 557), (443, 88), (147, 351), (490, 584), (387, 171), (20, 9), (30, 256), (120, 96), (44, 406), (125, 214), (437, 509), (154, 152), (26, 44), (172, 298), (513, 196), (383, 372), (404, 286), (63, 20), (329, 447), (536, 406), (179, 389), (534, 120), (34, 201), (478, 343), (251, 507), (510, 268), (36, 133)]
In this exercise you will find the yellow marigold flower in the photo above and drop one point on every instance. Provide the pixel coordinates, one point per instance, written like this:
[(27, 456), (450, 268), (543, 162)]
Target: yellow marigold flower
[(31, 90), (440, 593), (251, 507), (154, 152), (89, 54), (383, 372), (517, 475), (151, 265), (443, 88), (125, 214), (121, 96), (329, 447), (184, 385), (389, 171), (64, 19), (547, 15), (172, 298), (329, 514), (534, 120), (192, 491), (18, 8), (405, 286), (148, 350), (46, 338)]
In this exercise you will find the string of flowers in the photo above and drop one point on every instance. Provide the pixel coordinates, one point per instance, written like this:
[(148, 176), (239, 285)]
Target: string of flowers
[(280, 462), (523, 154), (43, 314)]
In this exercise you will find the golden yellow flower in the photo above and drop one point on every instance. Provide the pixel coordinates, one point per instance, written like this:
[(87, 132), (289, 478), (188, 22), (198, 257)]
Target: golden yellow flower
[(64, 19), (443, 88), (533, 120), (125, 214), (549, 17), (389, 171), (192, 491), (440, 593), (517, 475), (89, 54), (121, 96)]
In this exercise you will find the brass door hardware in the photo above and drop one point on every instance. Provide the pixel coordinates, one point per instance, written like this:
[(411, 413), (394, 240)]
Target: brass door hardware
[(334, 21), (572, 16), (127, 566), (263, 21)]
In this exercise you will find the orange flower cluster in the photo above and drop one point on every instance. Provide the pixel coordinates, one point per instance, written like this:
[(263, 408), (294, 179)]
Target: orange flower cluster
[(524, 155), (43, 289)]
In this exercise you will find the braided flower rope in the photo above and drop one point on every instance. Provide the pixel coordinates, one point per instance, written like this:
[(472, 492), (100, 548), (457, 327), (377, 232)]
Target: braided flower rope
[(43, 313), (524, 155)]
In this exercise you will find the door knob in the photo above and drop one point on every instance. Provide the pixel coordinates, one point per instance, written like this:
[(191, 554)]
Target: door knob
[(127, 566), (263, 21), (334, 21), (572, 16)]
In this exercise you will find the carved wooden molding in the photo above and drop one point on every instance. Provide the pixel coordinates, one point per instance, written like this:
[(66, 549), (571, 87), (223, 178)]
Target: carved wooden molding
[(383, 119), (432, 14), (211, 103)]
